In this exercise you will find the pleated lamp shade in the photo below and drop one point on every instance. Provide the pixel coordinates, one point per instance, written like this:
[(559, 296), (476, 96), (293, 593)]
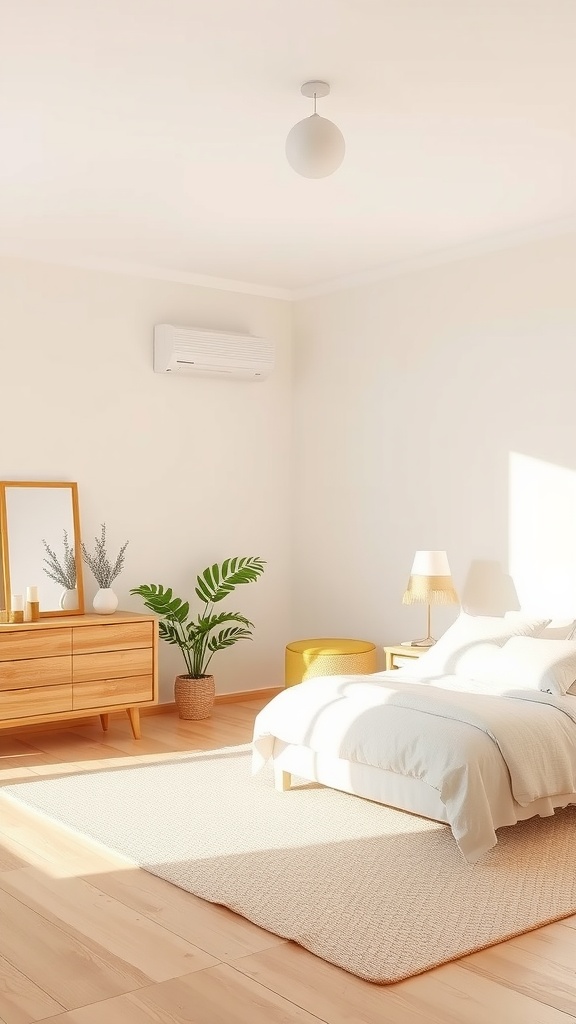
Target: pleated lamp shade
[(430, 580)]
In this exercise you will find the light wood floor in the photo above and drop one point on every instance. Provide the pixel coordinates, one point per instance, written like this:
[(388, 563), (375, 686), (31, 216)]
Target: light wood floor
[(86, 939)]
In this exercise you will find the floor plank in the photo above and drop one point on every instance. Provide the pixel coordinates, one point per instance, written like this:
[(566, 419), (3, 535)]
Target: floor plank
[(43, 844), (63, 966), (219, 995), (21, 1001), (12, 856), (541, 965), (453, 995), (213, 928), (327, 992), (108, 926), (14, 774)]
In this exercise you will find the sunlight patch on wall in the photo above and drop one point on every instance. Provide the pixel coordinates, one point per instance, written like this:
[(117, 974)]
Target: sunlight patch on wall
[(542, 535)]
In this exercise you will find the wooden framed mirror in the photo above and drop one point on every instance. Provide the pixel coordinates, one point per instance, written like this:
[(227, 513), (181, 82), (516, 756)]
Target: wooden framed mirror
[(40, 541)]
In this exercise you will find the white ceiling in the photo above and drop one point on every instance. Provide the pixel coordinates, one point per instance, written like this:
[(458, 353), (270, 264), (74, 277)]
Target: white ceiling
[(150, 133)]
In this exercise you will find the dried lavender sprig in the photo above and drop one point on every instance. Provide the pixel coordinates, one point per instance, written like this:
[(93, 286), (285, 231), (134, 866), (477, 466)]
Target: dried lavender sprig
[(99, 564), (63, 572)]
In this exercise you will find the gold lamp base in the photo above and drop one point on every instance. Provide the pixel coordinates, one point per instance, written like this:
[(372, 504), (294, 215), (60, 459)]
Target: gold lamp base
[(428, 640), (431, 583)]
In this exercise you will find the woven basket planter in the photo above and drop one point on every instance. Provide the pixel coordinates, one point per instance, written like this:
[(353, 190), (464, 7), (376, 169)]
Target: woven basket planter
[(194, 697)]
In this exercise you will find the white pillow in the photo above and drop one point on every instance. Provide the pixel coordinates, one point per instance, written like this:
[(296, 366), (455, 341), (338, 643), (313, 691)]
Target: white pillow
[(528, 663), (482, 664), (458, 646), (557, 629)]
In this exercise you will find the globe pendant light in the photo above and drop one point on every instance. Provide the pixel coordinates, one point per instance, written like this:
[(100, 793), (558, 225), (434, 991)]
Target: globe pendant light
[(315, 147)]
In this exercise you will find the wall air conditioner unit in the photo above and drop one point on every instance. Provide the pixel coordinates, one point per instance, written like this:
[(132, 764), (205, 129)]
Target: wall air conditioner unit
[(211, 353)]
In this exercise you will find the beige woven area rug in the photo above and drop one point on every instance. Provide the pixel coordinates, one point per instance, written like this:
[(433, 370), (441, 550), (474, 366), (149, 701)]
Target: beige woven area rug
[(380, 893)]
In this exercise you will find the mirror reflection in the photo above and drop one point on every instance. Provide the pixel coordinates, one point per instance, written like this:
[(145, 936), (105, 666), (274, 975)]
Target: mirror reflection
[(42, 538)]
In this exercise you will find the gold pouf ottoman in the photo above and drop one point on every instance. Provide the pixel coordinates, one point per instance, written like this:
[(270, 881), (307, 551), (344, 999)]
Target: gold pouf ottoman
[(328, 657)]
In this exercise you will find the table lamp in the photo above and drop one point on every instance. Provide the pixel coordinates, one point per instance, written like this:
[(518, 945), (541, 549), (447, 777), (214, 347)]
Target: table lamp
[(430, 583)]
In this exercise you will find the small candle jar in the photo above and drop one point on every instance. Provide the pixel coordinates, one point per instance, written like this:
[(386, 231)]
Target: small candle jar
[(17, 608), (32, 604)]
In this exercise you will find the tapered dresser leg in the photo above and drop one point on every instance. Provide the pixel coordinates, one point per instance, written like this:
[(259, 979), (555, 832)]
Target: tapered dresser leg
[(134, 716), (104, 721)]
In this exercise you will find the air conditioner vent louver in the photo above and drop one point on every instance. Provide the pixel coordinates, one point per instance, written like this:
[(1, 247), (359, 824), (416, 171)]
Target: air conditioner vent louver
[(187, 350)]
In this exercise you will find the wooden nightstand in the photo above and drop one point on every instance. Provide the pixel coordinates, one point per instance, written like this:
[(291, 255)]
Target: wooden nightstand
[(401, 656)]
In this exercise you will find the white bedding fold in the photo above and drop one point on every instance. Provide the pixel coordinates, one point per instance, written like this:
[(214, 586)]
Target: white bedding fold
[(450, 738)]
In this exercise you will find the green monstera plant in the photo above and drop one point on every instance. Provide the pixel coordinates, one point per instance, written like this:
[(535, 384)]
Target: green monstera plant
[(200, 637)]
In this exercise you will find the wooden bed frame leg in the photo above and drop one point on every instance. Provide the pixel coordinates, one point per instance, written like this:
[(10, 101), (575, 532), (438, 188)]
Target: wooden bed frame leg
[(282, 780)]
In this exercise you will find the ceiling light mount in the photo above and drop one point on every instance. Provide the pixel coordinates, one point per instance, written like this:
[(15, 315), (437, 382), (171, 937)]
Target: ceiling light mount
[(315, 90), (315, 147)]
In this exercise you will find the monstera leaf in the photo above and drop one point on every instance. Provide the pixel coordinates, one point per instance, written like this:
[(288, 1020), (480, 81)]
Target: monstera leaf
[(195, 636), (217, 581)]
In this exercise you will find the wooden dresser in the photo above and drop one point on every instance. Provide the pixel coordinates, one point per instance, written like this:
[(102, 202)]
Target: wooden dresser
[(78, 665)]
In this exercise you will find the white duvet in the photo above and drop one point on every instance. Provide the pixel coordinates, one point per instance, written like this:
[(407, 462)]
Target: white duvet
[(464, 744)]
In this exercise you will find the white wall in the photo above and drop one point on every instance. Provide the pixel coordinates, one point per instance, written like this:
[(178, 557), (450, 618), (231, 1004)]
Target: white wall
[(433, 410), (190, 470), (437, 410)]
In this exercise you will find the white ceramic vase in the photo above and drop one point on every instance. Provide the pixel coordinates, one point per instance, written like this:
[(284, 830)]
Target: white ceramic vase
[(69, 600), (105, 601)]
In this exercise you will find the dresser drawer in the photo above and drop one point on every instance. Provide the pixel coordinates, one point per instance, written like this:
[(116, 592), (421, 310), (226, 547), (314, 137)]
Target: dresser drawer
[(16, 675), (32, 643), (101, 693), (120, 637), (75, 666), (112, 665), (36, 700)]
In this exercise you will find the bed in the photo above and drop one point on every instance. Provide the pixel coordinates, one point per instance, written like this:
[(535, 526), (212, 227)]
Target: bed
[(479, 734)]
